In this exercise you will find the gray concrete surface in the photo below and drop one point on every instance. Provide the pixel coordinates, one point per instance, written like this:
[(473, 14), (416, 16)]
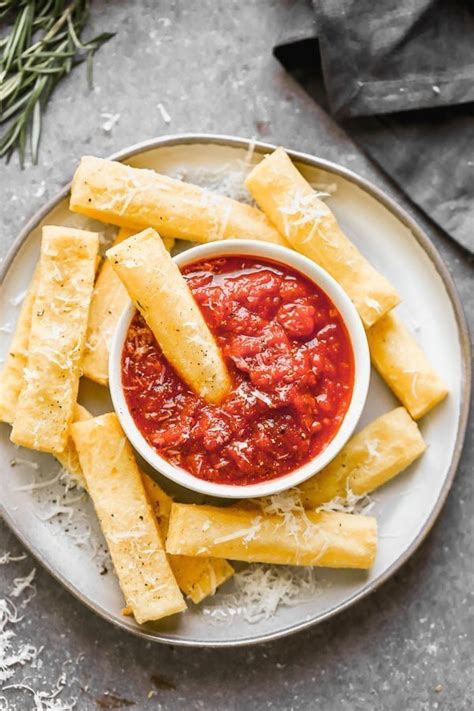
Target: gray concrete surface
[(408, 646)]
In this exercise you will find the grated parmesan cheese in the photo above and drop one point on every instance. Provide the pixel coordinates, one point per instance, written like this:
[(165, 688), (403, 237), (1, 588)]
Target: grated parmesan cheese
[(227, 180), (289, 506), (22, 584), (164, 114), (372, 448), (283, 504), (24, 462), (246, 534), (16, 655), (17, 300), (12, 656), (9, 558), (48, 701), (63, 513), (260, 590), (249, 154), (350, 503), (373, 304), (110, 121), (324, 189), (35, 485), (304, 209)]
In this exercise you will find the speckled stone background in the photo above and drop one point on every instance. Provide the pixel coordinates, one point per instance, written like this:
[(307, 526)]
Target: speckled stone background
[(406, 648)]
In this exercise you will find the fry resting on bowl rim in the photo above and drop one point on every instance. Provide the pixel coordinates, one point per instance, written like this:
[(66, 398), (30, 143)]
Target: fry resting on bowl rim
[(108, 301), (311, 228), (159, 291)]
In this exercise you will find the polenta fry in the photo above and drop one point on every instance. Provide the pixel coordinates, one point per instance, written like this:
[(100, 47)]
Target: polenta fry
[(56, 341), (333, 540), (129, 526), (136, 198), (160, 292), (311, 228)]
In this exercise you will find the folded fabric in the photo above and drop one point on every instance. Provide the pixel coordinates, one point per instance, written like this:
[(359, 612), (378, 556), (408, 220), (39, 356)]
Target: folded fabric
[(400, 78)]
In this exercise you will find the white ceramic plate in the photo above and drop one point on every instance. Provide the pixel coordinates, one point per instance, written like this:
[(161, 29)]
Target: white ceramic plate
[(406, 508)]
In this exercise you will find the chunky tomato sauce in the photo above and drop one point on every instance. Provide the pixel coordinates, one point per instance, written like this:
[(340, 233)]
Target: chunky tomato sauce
[(292, 368)]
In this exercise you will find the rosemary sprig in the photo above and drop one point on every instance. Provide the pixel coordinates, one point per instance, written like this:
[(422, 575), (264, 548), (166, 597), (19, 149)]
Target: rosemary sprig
[(42, 45)]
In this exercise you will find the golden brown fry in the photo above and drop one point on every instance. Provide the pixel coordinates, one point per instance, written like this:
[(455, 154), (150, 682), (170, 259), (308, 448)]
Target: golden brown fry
[(160, 292), (11, 376), (333, 540), (310, 227), (376, 454), (196, 577), (109, 299), (69, 458), (404, 367), (136, 198), (129, 526), (58, 327)]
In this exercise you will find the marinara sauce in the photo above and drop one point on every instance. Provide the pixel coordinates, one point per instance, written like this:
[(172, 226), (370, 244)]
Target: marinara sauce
[(292, 368)]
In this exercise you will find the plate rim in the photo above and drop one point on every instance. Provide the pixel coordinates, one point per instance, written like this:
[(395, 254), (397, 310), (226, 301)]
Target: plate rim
[(428, 247)]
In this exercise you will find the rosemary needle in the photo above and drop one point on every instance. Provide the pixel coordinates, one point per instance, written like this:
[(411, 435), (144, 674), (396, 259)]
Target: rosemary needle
[(42, 44)]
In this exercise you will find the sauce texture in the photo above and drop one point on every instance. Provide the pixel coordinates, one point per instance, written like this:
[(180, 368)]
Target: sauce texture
[(292, 368)]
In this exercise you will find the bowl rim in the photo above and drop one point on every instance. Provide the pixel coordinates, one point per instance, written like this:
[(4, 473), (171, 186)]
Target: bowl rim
[(359, 344)]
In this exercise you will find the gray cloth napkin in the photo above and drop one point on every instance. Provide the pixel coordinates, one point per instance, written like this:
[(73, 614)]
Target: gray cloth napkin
[(399, 77)]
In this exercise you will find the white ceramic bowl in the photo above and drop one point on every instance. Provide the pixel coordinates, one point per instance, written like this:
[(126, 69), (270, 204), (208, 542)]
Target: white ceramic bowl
[(360, 348)]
